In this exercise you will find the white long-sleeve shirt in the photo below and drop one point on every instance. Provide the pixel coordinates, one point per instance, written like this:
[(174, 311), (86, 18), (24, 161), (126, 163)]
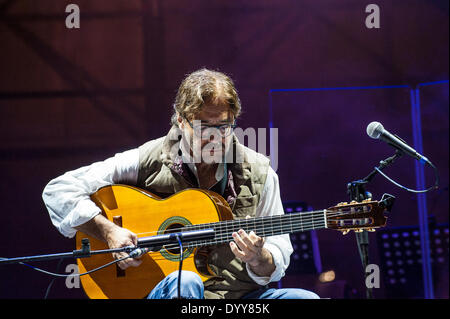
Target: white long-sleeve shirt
[(68, 202)]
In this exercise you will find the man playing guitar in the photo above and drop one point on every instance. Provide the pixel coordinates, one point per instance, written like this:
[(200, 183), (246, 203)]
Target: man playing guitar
[(200, 151)]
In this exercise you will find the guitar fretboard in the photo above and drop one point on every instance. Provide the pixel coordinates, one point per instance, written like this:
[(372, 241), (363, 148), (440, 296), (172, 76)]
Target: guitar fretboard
[(262, 226)]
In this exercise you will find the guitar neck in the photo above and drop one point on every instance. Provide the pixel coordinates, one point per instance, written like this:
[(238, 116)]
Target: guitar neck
[(262, 226)]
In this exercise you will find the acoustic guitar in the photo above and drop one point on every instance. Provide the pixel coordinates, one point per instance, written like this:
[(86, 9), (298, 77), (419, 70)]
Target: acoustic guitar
[(146, 214)]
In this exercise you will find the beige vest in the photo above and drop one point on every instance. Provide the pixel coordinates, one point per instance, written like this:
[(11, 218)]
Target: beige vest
[(162, 172)]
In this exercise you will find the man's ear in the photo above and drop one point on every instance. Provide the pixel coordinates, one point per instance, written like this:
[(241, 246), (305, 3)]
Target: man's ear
[(180, 121)]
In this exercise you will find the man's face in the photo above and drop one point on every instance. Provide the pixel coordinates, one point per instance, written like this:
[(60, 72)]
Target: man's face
[(208, 143)]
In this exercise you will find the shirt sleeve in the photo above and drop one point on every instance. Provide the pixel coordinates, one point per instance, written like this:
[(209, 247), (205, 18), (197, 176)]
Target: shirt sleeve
[(279, 246), (67, 197)]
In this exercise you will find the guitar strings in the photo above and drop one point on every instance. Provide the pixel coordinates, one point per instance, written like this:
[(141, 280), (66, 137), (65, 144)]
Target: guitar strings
[(266, 220), (263, 219), (259, 223), (236, 224), (225, 236)]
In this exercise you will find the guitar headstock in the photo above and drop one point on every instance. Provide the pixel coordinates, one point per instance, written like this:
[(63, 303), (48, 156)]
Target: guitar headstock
[(357, 216)]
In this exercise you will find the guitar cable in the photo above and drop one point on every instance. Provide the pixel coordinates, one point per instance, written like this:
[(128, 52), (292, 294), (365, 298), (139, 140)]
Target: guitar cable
[(70, 275), (435, 186), (47, 292)]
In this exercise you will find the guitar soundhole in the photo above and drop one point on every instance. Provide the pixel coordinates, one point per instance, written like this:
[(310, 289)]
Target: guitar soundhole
[(174, 228)]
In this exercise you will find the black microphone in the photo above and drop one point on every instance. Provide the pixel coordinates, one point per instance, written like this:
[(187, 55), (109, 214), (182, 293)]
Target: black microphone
[(376, 130), (186, 236)]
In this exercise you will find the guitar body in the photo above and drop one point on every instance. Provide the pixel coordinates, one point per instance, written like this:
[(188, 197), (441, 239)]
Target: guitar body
[(147, 215)]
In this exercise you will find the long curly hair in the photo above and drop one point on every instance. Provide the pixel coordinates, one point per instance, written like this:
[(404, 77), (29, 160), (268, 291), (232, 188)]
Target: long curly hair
[(205, 86)]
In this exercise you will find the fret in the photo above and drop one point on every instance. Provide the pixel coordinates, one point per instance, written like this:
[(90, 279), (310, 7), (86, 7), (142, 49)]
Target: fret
[(271, 226), (290, 222), (226, 228), (281, 222), (247, 225), (262, 226), (278, 225)]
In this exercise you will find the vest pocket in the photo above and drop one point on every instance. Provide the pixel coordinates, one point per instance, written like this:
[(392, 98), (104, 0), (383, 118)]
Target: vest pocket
[(244, 206)]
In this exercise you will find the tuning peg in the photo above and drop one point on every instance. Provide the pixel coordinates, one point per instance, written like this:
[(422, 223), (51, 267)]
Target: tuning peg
[(370, 229), (353, 202), (342, 204), (358, 230), (345, 231)]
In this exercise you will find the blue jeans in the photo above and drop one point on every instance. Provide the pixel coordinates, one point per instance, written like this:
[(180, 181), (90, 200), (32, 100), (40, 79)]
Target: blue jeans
[(192, 288)]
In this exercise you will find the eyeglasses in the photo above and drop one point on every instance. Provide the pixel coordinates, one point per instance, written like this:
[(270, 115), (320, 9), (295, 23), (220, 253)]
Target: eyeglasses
[(202, 130)]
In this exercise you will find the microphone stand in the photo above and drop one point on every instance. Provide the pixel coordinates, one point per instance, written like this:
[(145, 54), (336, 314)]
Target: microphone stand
[(357, 192), (150, 243)]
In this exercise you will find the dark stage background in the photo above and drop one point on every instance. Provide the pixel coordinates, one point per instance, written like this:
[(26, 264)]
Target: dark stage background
[(69, 97)]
